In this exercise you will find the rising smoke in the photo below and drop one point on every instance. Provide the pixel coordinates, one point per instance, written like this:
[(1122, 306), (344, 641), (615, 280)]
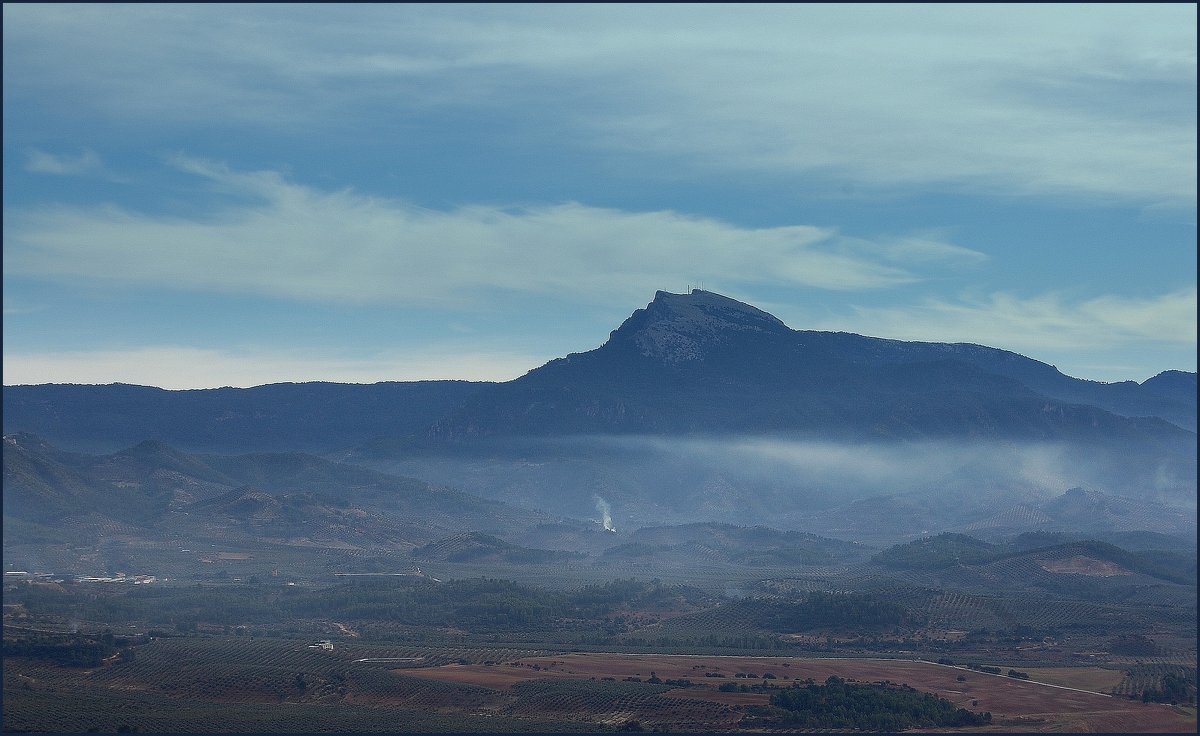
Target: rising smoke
[(605, 513)]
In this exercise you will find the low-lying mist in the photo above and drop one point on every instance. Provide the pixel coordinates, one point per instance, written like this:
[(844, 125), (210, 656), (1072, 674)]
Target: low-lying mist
[(847, 471), (627, 482)]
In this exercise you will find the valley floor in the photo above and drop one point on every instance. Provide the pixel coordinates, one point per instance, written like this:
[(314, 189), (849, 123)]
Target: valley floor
[(206, 683)]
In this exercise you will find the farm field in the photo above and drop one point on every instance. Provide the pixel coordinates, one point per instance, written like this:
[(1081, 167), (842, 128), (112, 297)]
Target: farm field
[(1096, 679), (1015, 705), (561, 628), (215, 683), (421, 653)]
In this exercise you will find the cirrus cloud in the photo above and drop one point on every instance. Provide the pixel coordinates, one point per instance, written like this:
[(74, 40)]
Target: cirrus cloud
[(1085, 100), (41, 162), (284, 239)]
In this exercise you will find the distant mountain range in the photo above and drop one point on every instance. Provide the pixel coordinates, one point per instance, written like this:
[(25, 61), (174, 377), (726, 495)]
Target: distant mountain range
[(155, 491), (154, 499), (280, 417), (687, 364), (695, 409)]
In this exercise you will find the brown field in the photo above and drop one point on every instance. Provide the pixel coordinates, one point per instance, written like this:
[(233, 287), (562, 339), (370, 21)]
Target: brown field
[(1096, 679), (1079, 565), (1015, 705)]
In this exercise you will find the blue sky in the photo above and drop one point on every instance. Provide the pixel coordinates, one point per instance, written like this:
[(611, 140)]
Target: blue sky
[(200, 196)]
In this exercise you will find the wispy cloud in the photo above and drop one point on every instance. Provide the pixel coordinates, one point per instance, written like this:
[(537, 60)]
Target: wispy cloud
[(182, 367), (1092, 100), (1035, 324), (41, 162), (287, 240), (917, 249)]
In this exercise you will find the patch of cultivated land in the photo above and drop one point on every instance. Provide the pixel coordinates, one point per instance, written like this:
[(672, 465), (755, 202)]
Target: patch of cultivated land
[(1079, 565), (1015, 705), (1096, 679)]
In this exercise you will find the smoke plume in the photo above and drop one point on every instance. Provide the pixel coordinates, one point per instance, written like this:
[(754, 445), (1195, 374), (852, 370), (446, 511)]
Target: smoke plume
[(605, 513)]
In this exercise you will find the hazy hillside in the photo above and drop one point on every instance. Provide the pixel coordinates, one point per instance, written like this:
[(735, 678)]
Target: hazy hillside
[(307, 417), (167, 494), (697, 408)]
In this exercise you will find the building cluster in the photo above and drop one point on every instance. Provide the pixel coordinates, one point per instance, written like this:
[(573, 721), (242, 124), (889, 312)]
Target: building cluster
[(118, 578)]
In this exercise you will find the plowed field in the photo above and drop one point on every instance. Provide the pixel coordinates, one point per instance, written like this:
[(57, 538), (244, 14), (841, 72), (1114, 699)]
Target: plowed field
[(1014, 704)]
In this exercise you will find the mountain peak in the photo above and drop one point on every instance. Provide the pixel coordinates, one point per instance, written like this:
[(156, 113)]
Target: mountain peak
[(1179, 383), (678, 327), (712, 305)]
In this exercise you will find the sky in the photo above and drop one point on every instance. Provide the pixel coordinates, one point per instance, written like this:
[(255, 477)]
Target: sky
[(233, 195)]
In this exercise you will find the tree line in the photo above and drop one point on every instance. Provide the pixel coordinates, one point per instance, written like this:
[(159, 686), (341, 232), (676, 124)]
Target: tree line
[(839, 704)]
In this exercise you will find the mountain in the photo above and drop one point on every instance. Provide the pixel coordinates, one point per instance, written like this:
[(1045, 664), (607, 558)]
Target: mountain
[(933, 553), (282, 417), (701, 408), (38, 485), (969, 563), (156, 492), (478, 547), (705, 364), (1086, 510), (697, 408), (690, 364)]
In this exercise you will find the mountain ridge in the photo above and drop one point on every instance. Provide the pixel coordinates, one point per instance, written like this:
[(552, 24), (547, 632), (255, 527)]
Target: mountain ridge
[(162, 490), (701, 362), (690, 364)]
